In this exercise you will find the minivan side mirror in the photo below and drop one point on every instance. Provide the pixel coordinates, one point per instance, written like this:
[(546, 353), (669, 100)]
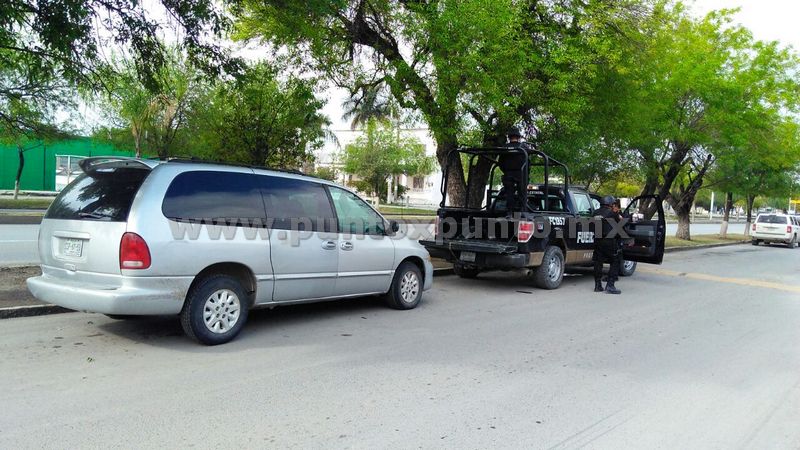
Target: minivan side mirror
[(394, 226)]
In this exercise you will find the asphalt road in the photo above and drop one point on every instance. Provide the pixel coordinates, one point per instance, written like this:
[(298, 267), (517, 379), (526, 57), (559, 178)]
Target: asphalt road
[(701, 352), (18, 242)]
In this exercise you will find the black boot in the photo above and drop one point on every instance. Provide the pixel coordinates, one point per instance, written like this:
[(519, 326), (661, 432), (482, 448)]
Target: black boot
[(611, 289), (598, 286)]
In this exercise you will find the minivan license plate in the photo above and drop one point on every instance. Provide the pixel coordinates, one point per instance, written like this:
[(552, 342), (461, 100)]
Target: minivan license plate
[(468, 256), (72, 247)]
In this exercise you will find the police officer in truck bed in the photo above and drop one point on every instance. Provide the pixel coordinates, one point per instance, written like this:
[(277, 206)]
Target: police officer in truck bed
[(607, 249), (512, 163)]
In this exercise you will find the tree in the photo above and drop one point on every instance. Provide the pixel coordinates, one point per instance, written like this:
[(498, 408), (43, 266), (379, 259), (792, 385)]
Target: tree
[(260, 119), (67, 39), (697, 90), (29, 100), (154, 114), (461, 65), (381, 152)]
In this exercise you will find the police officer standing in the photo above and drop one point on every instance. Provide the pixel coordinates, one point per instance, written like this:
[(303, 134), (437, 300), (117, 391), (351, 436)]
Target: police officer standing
[(606, 248), (512, 163)]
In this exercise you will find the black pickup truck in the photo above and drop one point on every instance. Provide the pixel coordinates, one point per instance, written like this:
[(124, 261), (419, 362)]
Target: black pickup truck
[(550, 231)]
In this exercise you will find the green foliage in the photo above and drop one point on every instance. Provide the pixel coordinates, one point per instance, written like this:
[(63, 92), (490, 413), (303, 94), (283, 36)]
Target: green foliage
[(154, 115), (259, 119), (463, 66), (326, 173), (383, 151)]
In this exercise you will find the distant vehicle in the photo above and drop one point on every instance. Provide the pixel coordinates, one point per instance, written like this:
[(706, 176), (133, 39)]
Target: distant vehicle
[(547, 232), (209, 242), (775, 228)]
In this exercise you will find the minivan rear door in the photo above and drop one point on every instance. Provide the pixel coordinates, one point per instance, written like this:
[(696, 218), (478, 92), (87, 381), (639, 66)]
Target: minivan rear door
[(302, 243), (89, 217)]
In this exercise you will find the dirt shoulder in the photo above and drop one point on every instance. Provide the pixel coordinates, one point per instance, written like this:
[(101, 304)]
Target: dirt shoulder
[(13, 291)]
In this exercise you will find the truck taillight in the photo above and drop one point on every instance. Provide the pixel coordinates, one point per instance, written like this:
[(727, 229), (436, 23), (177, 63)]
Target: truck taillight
[(524, 231), (788, 229), (754, 227), (133, 252)]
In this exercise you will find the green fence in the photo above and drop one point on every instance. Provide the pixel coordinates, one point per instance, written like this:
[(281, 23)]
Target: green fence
[(39, 173)]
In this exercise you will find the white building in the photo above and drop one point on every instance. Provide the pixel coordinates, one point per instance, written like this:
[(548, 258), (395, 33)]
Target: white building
[(421, 190)]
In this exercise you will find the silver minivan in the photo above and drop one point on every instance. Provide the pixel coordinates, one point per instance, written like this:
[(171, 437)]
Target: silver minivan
[(208, 242)]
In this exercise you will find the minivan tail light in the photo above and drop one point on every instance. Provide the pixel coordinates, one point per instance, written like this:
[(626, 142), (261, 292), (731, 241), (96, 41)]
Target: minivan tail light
[(524, 231), (133, 252)]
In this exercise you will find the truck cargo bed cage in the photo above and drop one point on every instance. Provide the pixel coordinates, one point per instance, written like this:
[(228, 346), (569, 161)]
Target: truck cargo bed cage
[(533, 158)]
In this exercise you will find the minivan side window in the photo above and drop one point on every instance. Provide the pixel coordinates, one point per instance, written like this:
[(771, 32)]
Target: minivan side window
[(355, 216), (208, 195), (295, 204), (105, 195)]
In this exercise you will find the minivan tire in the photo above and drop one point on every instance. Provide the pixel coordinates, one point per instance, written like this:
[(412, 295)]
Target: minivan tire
[(551, 272), (227, 293), (406, 290)]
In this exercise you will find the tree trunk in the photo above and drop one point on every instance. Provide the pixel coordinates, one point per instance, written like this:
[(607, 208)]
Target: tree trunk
[(726, 215), (136, 141), (684, 222), (748, 223), (21, 155), (456, 186)]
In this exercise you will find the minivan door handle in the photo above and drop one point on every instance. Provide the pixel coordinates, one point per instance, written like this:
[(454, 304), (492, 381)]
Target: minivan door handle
[(347, 245), (329, 245)]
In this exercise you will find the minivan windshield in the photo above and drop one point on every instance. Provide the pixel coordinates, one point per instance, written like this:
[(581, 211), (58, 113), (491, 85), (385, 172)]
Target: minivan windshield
[(772, 218), (103, 195)]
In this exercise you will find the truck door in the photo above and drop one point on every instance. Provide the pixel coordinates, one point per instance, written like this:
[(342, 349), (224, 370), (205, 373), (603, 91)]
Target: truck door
[(646, 228)]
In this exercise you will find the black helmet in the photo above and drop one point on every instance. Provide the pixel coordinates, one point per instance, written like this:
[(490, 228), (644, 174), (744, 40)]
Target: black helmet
[(608, 200), (514, 132)]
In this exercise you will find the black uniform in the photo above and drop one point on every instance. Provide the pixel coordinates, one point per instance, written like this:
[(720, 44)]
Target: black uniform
[(606, 249), (512, 164)]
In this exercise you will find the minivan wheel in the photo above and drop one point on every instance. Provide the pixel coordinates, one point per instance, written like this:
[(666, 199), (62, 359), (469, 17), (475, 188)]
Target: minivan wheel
[(406, 290), (627, 268), (551, 272), (215, 310)]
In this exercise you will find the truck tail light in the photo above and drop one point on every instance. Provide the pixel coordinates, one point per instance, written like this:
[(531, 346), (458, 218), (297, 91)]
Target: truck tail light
[(524, 231), (788, 229), (754, 227), (133, 252)]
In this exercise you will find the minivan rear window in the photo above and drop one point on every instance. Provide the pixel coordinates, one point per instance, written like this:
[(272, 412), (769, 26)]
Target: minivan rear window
[(205, 195), (772, 219), (104, 195)]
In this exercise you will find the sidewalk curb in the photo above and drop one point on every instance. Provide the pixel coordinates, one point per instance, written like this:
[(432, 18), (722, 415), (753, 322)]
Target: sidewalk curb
[(701, 247)]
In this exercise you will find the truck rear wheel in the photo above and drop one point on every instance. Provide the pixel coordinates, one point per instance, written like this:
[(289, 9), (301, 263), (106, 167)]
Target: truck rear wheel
[(551, 272), (627, 268), (465, 272)]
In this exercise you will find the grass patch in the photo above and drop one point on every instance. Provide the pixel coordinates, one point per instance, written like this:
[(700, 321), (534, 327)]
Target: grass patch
[(25, 203), (703, 239), (402, 211)]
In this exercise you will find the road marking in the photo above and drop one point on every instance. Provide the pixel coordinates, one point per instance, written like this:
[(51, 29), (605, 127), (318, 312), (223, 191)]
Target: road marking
[(707, 277)]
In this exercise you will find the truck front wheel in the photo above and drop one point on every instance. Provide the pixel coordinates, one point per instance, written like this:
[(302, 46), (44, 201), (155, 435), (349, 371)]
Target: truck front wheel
[(551, 272)]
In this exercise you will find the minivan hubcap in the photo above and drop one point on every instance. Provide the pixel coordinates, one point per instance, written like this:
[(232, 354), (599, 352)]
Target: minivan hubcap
[(221, 311), (409, 287)]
